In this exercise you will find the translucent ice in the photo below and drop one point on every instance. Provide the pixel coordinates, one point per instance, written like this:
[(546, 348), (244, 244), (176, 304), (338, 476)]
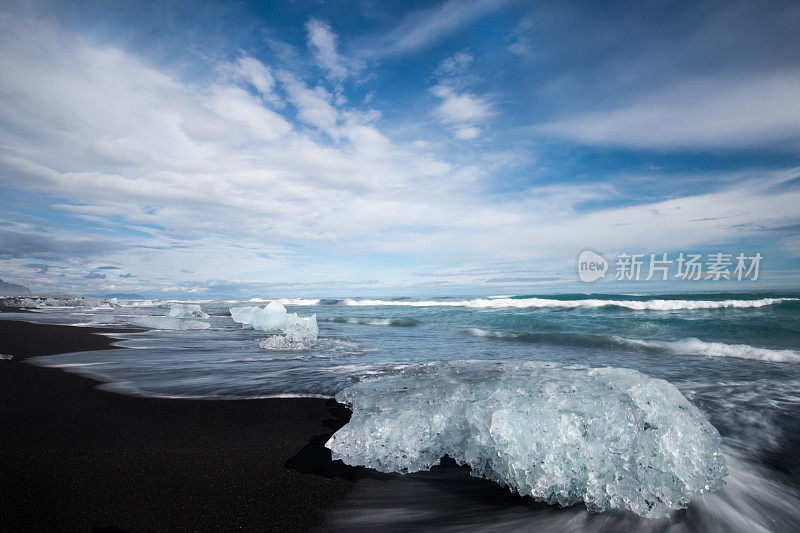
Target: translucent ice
[(608, 437), (296, 338), (300, 332), (185, 311)]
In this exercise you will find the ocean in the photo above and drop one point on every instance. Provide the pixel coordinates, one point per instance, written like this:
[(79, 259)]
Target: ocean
[(735, 357)]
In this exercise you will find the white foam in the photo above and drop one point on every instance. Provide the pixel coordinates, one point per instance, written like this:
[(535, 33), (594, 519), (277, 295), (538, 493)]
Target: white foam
[(754, 501), (164, 322), (296, 396), (374, 321), (370, 321), (479, 332), (693, 346), (688, 346), (142, 303), (612, 438), (639, 305)]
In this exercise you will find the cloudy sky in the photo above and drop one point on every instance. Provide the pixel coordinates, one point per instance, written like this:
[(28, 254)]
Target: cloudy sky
[(362, 147)]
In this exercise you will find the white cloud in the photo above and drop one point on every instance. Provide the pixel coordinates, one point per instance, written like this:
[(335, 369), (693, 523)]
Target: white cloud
[(315, 107), (461, 111), (256, 73), (464, 107), (238, 105), (323, 43), (216, 178), (456, 65), (521, 37), (708, 112), (422, 28), (467, 132)]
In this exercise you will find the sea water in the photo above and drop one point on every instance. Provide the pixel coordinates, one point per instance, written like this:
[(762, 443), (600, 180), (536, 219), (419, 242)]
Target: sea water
[(735, 358)]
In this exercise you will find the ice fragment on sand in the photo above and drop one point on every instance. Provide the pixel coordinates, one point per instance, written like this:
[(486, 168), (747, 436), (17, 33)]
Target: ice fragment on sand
[(612, 438)]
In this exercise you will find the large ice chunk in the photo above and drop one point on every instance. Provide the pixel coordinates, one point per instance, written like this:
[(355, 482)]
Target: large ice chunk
[(185, 311), (273, 317), (608, 437), (300, 332)]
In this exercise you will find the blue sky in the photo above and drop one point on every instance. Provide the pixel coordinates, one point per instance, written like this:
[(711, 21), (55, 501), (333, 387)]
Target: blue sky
[(346, 148)]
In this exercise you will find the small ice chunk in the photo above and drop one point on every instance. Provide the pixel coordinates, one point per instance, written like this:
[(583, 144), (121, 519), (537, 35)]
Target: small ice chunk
[(296, 338), (300, 332), (185, 311), (6, 357), (612, 438)]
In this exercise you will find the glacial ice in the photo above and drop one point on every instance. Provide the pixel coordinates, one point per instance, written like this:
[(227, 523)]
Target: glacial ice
[(611, 438), (185, 311), (296, 338), (299, 332)]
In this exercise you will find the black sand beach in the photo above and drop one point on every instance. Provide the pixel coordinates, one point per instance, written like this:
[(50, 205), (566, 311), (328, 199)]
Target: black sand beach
[(75, 458)]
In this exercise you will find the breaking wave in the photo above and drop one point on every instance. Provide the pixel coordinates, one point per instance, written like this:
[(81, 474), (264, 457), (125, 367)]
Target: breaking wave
[(143, 303), (637, 305), (692, 346), (688, 346), (401, 322)]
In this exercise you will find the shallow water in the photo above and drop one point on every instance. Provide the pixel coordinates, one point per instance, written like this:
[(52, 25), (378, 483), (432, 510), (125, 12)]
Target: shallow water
[(735, 357)]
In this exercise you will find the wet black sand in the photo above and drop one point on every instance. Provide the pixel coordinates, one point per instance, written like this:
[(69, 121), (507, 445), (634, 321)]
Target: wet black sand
[(75, 458)]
